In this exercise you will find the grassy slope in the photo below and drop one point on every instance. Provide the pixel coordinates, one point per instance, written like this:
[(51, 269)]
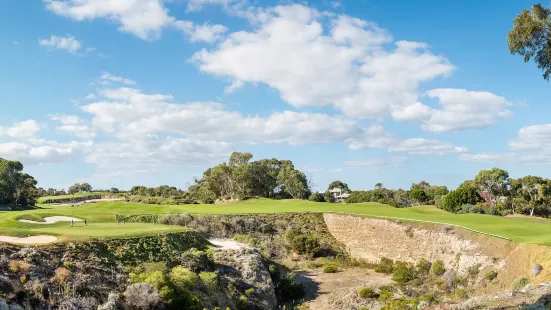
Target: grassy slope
[(518, 229)]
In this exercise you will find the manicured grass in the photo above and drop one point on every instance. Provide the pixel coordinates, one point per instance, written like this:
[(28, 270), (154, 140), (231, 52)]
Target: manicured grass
[(525, 230)]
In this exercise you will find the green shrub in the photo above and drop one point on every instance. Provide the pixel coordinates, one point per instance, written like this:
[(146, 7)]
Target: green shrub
[(249, 291), (209, 278), (330, 269), (490, 275), (242, 302), (386, 265), (461, 293), (306, 244), (385, 293), (182, 278), (367, 292), (317, 197), (520, 283), (437, 268), (423, 266), (197, 260), (429, 298), (403, 273), (473, 270)]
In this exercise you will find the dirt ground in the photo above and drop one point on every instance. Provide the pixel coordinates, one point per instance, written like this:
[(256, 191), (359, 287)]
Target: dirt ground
[(335, 291)]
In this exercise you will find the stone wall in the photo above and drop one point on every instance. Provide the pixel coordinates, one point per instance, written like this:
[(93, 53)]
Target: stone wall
[(371, 239)]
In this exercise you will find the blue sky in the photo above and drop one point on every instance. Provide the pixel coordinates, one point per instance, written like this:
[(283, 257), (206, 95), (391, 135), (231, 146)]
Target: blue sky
[(151, 92)]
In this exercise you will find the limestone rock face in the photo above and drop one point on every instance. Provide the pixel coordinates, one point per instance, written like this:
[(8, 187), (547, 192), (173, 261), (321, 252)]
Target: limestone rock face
[(371, 239), (244, 268)]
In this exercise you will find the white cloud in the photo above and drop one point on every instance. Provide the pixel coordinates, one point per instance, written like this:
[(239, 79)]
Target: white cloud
[(198, 5), (66, 119), (24, 129), (34, 155), (426, 147), (344, 63), (201, 33), (68, 43), (79, 131), (378, 162), (532, 145), (107, 77), (90, 96), (142, 18), (465, 109), (154, 151)]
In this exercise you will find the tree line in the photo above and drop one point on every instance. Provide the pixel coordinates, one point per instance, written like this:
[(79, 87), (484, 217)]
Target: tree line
[(17, 189)]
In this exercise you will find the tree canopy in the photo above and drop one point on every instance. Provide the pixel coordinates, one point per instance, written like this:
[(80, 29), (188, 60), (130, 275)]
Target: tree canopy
[(531, 37), (17, 189)]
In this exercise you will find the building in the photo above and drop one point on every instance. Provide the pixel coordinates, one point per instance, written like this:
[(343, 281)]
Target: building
[(338, 195)]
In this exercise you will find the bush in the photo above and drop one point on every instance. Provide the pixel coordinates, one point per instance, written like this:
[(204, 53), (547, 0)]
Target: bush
[(142, 296), (330, 269), (423, 266), (490, 275), (473, 270), (367, 292), (182, 278), (437, 268), (113, 302), (209, 278), (403, 273), (520, 283), (317, 197), (386, 265), (306, 244), (249, 291)]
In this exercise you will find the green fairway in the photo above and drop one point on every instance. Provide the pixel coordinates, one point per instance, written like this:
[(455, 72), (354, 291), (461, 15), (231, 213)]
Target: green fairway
[(101, 217)]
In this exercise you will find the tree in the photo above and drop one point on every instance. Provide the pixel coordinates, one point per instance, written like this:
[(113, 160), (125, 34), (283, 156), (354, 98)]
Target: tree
[(16, 188), (530, 194), (379, 186), (493, 182), (466, 193), (421, 185), (418, 195), (338, 184), (531, 37), (317, 197)]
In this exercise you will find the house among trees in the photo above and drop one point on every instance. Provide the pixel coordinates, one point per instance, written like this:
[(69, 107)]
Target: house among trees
[(338, 195)]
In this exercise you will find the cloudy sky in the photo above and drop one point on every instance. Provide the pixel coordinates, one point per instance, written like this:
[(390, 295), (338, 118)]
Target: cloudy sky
[(126, 92)]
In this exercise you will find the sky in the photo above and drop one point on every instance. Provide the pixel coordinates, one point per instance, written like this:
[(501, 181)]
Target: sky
[(119, 93)]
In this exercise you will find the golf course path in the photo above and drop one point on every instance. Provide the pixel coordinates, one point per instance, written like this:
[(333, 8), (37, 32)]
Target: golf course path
[(53, 219), (28, 240), (228, 244)]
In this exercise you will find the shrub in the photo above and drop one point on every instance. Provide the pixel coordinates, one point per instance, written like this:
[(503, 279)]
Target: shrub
[(520, 283), (209, 278), (423, 266), (317, 197), (242, 302), (249, 291), (61, 274), (113, 302), (386, 265), (142, 296), (403, 273), (182, 278), (437, 268), (385, 293), (14, 266), (429, 298), (473, 270), (367, 292), (69, 265), (306, 244), (197, 260), (490, 275), (330, 269)]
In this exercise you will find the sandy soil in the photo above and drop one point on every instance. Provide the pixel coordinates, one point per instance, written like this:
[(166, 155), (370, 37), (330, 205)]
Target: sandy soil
[(335, 291), (53, 219), (28, 240), (228, 244)]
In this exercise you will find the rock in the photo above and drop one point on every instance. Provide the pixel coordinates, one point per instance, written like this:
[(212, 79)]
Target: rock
[(535, 269)]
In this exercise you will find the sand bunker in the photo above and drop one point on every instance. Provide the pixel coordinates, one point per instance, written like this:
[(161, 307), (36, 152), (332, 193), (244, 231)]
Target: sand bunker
[(28, 240), (228, 244), (53, 219)]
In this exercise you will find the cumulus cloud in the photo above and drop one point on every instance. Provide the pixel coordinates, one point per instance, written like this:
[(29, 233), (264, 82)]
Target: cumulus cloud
[(378, 162), (463, 109), (142, 18), (24, 129), (428, 147), (34, 155), (67, 43), (532, 145), (106, 78), (198, 5), (344, 62), (201, 33)]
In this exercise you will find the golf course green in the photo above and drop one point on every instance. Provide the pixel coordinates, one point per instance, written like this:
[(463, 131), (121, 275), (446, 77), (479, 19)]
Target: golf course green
[(102, 223)]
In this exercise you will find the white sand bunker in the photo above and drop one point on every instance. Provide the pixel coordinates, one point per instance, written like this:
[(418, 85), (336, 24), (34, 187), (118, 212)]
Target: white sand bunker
[(28, 240), (53, 219), (228, 244)]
